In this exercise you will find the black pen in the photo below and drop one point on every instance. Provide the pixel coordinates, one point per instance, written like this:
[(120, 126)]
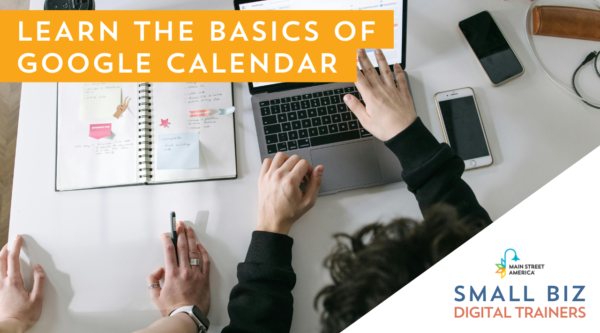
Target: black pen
[(174, 234)]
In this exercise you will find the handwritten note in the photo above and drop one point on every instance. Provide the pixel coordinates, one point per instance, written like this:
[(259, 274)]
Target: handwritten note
[(178, 151), (199, 98), (203, 123), (99, 100), (107, 148)]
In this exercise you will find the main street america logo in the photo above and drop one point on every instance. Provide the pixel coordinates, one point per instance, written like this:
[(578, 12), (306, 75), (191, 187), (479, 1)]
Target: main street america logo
[(515, 269), (502, 265)]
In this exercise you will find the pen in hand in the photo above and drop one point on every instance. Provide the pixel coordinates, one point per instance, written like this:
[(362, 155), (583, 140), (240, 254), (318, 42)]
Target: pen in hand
[(174, 235)]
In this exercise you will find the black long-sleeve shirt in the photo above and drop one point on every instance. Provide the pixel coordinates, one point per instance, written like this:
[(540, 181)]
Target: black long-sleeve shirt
[(262, 301)]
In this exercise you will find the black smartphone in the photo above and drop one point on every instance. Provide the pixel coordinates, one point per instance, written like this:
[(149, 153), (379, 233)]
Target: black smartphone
[(69, 5), (491, 48), (174, 234)]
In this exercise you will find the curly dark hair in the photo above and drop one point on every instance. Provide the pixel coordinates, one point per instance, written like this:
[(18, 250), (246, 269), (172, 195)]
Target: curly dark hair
[(378, 260)]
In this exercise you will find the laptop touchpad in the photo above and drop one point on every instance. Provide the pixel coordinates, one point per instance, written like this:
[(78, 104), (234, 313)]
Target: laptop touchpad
[(347, 166)]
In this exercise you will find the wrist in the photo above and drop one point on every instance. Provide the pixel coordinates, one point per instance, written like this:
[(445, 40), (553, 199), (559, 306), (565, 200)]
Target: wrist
[(276, 227), (12, 325), (399, 128), (186, 321)]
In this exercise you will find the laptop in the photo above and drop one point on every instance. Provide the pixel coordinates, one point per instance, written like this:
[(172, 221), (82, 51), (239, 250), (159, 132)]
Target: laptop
[(312, 120)]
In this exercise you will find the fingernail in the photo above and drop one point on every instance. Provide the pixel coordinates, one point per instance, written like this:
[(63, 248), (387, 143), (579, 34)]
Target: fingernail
[(361, 50), (378, 51), (39, 268), (17, 237), (347, 98), (396, 65), (320, 170)]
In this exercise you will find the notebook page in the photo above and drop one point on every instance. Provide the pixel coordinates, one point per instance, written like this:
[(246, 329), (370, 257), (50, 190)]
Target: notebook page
[(95, 152), (182, 114)]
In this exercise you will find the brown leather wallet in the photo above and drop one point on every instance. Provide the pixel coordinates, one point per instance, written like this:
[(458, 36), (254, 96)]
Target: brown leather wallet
[(566, 22)]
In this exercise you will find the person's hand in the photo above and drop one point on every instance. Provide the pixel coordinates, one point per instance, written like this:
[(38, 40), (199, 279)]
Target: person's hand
[(18, 306), (281, 202), (389, 109), (184, 284)]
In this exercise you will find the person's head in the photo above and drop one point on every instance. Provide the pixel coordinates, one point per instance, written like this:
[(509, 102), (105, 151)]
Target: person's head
[(378, 260)]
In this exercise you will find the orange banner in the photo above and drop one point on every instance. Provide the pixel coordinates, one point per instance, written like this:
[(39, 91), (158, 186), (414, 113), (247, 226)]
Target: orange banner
[(188, 46)]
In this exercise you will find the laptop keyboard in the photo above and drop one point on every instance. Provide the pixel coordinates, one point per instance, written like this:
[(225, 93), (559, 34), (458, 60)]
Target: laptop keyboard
[(310, 120)]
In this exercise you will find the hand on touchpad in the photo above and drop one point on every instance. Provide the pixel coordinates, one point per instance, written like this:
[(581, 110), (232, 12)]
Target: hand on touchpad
[(347, 166)]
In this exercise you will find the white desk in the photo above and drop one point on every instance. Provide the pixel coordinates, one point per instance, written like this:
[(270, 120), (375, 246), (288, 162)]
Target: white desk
[(98, 246)]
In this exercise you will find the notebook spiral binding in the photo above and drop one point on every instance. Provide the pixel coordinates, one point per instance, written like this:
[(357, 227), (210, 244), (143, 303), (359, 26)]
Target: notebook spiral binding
[(145, 131)]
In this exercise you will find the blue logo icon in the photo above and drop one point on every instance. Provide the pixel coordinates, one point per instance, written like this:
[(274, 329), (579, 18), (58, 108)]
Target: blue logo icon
[(502, 265)]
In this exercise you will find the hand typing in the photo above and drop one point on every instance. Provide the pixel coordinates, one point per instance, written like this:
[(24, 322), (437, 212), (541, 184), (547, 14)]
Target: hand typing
[(281, 202), (389, 108)]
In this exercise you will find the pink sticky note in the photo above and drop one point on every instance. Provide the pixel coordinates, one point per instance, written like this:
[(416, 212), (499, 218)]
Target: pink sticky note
[(99, 131)]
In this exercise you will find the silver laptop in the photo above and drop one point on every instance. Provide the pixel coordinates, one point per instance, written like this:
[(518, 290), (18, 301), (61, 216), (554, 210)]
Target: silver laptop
[(312, 120)]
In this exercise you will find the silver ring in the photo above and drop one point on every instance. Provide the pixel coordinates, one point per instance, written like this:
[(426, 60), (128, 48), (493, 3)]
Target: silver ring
[(194, 262), (154, 285)]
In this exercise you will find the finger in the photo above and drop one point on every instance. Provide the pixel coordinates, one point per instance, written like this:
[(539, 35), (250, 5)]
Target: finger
[(205, 260), (169, 250), (302, 169), (362, 84), (290, 163), (191, 239), (265, 167), (384, 69), (14, 266), (401, 80), (357, 108), (4, 261), (278, 161), (368, 69), (155, 278), (312, 189), (182, 246), (39, 279)]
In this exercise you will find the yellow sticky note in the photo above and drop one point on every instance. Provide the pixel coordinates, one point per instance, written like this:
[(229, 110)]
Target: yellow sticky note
[(99, 100)]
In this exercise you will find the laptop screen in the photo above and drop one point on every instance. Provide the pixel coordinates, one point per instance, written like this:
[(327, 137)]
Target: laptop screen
[(393, 56)]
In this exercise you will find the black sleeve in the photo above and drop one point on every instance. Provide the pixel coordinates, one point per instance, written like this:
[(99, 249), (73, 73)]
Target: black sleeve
[(433, 172), (262, 300)]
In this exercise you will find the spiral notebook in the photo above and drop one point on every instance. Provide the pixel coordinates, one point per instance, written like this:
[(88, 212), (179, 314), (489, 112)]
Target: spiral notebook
[(122, 134)]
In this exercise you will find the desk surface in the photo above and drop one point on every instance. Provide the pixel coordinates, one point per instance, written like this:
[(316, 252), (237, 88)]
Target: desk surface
[(98, 246)]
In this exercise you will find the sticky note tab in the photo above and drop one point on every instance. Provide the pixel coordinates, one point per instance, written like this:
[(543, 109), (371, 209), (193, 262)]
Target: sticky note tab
[(178, 151), (99, 131), (212, 112), (99, 100), (199, 113), (224, 112)]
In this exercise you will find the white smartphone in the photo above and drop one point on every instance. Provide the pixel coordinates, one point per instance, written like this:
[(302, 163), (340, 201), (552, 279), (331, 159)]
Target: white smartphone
[(463, 128)]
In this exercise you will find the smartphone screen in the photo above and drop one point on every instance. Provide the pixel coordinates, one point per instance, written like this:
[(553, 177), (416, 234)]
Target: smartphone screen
[(463, 127), (490, 47)]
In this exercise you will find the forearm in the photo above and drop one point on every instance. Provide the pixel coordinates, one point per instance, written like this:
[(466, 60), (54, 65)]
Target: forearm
[(262, 302), (179, 323), (433, 172), (12, 326)]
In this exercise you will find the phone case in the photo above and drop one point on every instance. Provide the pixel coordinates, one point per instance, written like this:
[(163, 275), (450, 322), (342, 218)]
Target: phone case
[(479, 62), (437, 106)]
